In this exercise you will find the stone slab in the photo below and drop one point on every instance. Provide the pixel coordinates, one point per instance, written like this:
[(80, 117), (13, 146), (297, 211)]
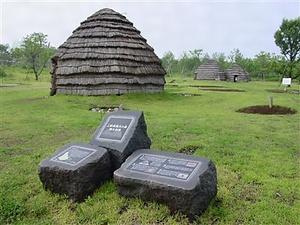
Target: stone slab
[(76, 170), (121, 133), (183, 182)]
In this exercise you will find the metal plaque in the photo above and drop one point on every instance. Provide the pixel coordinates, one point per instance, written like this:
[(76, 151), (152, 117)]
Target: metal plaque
[(164, 166), (73, 155), (115, 128)]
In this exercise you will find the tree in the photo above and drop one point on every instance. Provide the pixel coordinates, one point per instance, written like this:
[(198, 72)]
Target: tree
[(183, 63), (287, 38), (196, 53), (35, 52), (236, 56), (5, 55), (168, 61), (189, 61), (195, 59), (220, 58), (262, 62)]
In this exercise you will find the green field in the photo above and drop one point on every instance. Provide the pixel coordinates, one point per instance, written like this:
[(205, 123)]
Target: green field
[(257, 156)]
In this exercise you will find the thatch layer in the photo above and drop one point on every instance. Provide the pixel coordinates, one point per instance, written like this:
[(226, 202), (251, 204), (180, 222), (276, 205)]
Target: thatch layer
[(106, 49), (108, 89), (210, 70), (94, 79), (236, 73)]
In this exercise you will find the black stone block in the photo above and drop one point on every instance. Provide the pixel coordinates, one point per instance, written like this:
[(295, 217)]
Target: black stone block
[(121, 133), (184, 183), (76, 170)]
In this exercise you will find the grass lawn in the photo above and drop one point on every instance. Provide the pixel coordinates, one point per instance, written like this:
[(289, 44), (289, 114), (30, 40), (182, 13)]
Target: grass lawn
[(257, 156)]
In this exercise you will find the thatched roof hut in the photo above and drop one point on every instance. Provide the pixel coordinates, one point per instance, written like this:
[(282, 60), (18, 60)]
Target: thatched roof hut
[(236, 73), (210, 70), (106, 55)]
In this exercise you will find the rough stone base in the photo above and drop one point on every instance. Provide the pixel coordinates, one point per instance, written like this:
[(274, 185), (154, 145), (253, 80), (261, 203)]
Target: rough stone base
[(160, 177), (76, 170)]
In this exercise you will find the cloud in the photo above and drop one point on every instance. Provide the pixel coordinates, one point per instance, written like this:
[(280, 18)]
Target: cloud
[(168, 26)]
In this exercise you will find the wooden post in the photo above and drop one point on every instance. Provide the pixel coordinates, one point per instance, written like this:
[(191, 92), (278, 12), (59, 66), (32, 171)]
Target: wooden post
[(271, 102)]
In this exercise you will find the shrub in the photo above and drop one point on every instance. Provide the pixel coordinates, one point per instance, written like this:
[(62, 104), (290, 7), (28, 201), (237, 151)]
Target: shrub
[(2, 72)]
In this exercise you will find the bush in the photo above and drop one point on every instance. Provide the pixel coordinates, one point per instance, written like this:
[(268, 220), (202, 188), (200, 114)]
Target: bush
[(2, 72)]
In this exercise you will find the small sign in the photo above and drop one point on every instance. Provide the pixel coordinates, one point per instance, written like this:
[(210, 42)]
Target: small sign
[(164, 166), (73, 155), (286, 81), (115, 128)]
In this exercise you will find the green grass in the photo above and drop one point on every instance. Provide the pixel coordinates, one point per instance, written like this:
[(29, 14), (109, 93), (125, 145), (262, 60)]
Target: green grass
[(257, 156)]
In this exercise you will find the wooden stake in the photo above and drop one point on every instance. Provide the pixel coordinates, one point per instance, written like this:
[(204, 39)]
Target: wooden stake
[(271, 102)]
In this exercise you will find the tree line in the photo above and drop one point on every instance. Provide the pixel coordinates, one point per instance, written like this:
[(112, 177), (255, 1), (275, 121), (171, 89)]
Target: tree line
[(35, 52), (264, 65)]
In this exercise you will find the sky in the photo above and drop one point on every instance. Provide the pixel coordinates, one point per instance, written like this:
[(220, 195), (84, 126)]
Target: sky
[(176, 26)]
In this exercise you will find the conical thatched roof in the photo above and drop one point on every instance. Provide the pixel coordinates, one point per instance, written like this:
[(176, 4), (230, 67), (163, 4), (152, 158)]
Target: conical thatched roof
[(106, 55), (210, 70), (236, 73)]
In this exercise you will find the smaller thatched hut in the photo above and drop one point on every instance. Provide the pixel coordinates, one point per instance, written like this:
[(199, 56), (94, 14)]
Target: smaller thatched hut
[(210, 70), (236, 73)]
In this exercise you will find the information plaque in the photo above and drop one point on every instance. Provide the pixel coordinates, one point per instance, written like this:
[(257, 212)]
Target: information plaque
[(115, 128), (73, 155), (164, 166), (286, 81)]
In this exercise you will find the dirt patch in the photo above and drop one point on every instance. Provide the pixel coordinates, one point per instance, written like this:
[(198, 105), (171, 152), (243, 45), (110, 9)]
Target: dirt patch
[(206, 86), (123, 209), (222, 89), (216, 88), (189, 150), (172, 85), (188, 94), (284, 92), (276, 91), (35, 99), (266, 110)]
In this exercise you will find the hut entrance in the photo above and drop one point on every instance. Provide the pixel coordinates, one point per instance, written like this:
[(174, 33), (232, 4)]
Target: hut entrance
[(235, 78), (236, 74)]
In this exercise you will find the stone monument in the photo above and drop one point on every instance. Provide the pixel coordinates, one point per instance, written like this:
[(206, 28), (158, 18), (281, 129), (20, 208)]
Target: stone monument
[(183, 182), (121, 133), (76, 170)]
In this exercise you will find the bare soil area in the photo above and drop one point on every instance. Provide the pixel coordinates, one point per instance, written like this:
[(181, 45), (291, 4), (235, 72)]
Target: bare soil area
[(222, 89), (265, 109), (206, 86), (284, 92), (189, 150)]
